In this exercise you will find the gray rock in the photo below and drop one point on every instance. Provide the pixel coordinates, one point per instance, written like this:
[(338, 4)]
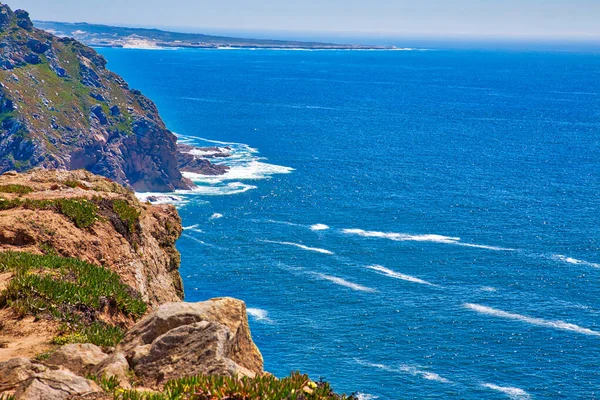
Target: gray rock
[(79, 358), (55, 385), (181, 339), (115, 365), (98, 112), (16, 371)]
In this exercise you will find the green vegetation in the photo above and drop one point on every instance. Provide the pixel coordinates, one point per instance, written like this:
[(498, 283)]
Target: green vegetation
[(7, 397), (294, 387), (127, 213), (83, 213), (107, 384), (18, 189), (72, 184), (71, 291)]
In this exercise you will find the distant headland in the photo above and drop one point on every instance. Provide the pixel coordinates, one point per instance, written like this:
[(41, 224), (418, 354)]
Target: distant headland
[(112, 36)]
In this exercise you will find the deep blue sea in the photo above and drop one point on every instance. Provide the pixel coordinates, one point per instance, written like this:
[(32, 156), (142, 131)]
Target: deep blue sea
[(405, 224)]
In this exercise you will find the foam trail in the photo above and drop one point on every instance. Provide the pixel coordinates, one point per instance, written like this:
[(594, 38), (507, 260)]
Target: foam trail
[(197, 241), (185, 228), (216, 216), (301, 246), (512, 392), (405, 237), (565, 326), (407, 369), (259, 315), (319, 227), (570, 260), (345, 283), (397, 275), (365, 396)]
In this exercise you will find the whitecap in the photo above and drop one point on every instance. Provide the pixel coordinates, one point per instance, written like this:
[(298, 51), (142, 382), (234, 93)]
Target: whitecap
[(343, 282), (319, 227), (512, 392), (220, 190), (405, 237), (570, 260), (185, 228), (365, 396), (488, 289), (259, 315), (562, 325), (216, 216), (300, 246), (407, 369), (160, 198), (397, 275)]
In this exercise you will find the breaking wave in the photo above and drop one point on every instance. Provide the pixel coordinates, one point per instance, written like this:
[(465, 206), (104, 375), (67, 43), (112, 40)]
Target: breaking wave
[(512, 392), (259, 315), (405, 237), (300, 246), (562, 325), (570, 260), (407, 369), (397, 275), (319, 227), (345, 283)]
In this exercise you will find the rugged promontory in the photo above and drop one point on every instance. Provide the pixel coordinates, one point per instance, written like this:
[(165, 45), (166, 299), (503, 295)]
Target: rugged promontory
[(60, 107)]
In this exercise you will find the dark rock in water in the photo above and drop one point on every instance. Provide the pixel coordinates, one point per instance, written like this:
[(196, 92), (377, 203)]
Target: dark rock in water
[(128, 143), (190, 163)]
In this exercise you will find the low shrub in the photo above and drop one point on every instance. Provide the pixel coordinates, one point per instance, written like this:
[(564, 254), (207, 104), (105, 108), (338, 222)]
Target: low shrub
[(201, 387), (127, 213), (18, 189)]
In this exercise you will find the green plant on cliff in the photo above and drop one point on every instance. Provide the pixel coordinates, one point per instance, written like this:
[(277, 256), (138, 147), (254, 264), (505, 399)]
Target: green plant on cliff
[(127, 213), (201, 387), (83, 213), (18, 189), (71, 291)]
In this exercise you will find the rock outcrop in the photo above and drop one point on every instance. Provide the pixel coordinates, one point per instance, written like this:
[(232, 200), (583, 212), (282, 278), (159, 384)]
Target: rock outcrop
[(180, 339), (55, 385), (61, 108), (143, 254)]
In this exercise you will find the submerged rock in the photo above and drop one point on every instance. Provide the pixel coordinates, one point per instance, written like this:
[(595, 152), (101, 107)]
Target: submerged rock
[(182, 339)]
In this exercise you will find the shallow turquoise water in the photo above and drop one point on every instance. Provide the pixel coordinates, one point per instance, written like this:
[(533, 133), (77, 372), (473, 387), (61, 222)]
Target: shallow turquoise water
[(438, 235)]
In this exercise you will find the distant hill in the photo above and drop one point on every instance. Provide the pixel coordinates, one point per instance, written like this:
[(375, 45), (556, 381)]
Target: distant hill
[(112, 36)]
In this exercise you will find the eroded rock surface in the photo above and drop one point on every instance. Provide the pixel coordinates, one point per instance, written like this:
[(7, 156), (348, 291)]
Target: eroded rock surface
[(180, 339)]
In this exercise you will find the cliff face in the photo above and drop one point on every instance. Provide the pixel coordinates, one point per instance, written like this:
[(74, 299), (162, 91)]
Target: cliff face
[(61, 108), (80, 215)]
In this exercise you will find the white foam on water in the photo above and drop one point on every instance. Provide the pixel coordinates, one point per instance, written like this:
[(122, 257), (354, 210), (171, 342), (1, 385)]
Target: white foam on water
[(160, 198), (319, 227), (343, 282), (433, 238), (216, 190), (185, 228), (398, 275), (216, 216), (365, 396), (512, 392), (259, 315), (197, 240), (562, 325), (488, 289), (300, 246), (570, 260), (407, 369)]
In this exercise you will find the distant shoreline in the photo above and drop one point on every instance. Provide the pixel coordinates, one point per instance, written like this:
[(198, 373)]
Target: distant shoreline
[(122, 37)]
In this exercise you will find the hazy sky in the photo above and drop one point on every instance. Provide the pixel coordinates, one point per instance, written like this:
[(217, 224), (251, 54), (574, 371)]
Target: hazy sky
[(567, 19)]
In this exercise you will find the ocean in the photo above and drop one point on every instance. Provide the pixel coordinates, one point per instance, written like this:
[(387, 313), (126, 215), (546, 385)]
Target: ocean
[(405, 224)]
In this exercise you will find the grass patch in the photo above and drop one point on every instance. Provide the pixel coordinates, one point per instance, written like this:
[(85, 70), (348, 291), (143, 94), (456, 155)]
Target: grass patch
[(18, 189), (294, 387), (127, 213), (72, 184), (83, 213), (48, 283)]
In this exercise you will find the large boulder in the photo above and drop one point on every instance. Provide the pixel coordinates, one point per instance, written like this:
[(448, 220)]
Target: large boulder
[(79, 358), (55, 385), (182, 339), (115, 366), (16, 371)]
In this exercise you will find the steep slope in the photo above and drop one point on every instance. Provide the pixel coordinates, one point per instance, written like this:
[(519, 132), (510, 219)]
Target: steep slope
[(61, 108)]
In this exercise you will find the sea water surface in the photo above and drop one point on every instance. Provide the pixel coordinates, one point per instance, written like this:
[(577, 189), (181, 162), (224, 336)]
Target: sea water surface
[(405, 224)]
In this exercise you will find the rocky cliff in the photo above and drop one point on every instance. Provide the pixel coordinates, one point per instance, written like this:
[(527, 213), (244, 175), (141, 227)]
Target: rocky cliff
[(61, 108)]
